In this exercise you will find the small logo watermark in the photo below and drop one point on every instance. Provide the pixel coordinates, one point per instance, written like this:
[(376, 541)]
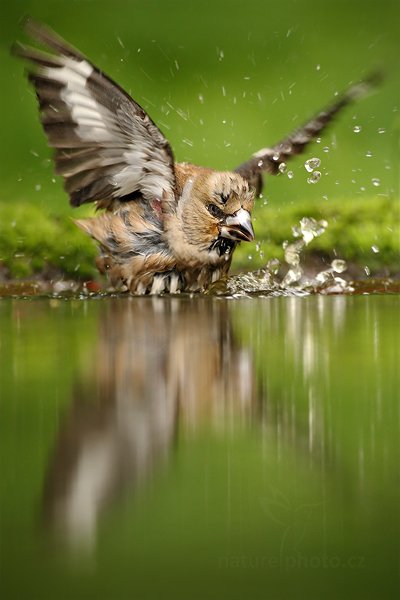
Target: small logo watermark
[(288, 563)]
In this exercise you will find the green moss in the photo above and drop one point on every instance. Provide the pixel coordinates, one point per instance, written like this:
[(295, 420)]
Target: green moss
[(33, 242)]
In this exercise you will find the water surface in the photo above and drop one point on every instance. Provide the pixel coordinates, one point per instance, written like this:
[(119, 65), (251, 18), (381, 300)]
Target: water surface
[(204, 447)]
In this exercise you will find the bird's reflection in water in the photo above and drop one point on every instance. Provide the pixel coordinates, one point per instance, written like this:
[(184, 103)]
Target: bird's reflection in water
[(160, 365), (164, 369)]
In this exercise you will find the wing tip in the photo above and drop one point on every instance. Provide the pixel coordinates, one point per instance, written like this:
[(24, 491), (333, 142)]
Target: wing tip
[(45, 35), (34, 28), (366, 85)]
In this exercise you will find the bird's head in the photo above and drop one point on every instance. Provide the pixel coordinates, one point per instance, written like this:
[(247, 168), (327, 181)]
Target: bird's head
[(216, 210)]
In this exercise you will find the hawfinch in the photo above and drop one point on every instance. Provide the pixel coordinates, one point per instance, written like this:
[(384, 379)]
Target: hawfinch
[(166, 226)]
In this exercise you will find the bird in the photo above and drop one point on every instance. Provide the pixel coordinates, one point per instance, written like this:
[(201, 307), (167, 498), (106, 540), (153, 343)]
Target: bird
[(165, 226)]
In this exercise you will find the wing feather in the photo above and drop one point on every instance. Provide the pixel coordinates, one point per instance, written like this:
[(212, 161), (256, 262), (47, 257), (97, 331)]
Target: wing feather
[(106, 144), (268, 159)]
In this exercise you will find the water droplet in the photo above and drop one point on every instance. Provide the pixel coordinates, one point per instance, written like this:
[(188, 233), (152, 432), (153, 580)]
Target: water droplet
[(290, 174), (338, 265), (275, 157), (282, 167), (292, 252), (325, 197), (38, 187), (318, 67), (324, 276), (314, 177), (311, 164), (318, 140), (367, 271), (368, 153), (357, 128), (308, 235), (325, 149), (376, 182), (381, 130), (201, 98), (292, 276), (273, 266), (310, 228), (375, 249), (296, 231), (260, 163)]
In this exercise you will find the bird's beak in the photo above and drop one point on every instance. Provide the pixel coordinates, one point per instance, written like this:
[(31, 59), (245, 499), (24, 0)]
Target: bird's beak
[(238, 227)]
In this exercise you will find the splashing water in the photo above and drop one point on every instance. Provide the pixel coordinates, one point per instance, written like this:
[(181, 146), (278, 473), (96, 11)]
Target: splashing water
[(292, 252), (273, 266), (310, 228), (290, 277), (338, 265)]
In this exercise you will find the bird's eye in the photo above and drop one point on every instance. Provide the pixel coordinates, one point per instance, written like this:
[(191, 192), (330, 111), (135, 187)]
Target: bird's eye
[(215, 211)]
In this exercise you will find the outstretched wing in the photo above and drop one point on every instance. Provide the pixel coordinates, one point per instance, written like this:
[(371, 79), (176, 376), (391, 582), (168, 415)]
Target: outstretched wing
[(269, 159), (106, 146)]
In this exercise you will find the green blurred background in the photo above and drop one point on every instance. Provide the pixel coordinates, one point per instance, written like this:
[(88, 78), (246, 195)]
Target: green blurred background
[(221, 79)]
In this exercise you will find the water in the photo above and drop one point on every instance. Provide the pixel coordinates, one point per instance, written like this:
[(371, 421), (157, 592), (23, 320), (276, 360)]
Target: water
[(200, 447), (311, 164)]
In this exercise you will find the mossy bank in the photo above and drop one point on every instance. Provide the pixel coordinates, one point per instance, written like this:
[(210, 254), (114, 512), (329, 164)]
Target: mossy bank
[(38, 243)]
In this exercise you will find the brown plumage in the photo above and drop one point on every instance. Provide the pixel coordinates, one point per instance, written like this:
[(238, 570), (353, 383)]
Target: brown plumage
[(167, 226)]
